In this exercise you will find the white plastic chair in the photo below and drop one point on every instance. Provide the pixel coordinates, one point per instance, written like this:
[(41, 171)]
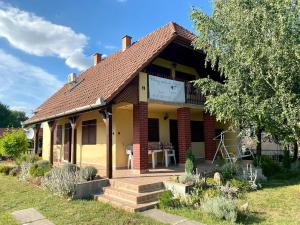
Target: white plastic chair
[(129, 152), (169, 153)]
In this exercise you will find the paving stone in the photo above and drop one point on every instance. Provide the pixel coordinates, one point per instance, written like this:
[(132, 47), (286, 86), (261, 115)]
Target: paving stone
[(27, 215), (164, 217)]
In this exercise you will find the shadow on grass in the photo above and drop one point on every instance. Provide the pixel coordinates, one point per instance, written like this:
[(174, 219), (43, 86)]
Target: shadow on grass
[(275, 182), (250, 218)]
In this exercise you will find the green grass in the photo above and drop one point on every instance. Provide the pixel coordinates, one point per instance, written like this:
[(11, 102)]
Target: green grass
[(277, 204), (15, 195)]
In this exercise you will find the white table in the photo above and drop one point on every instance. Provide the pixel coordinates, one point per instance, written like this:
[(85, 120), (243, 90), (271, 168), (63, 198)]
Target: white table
[(153, 154)]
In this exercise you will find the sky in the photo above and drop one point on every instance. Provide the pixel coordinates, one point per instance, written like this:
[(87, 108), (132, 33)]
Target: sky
[(41, 42)]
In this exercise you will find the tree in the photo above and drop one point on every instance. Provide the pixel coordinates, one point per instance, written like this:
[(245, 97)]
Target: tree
[(255, 47), (13, 143), (11, 118)]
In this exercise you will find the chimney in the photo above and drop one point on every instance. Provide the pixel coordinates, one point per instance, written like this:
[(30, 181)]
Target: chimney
[(71, 78), (97, 58), (126, 42)]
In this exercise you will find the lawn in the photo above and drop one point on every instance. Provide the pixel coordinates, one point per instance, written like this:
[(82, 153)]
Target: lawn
[(277, 204), (15, 195)]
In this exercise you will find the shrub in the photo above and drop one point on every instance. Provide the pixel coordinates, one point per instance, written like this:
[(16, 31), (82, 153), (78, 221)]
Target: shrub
[(24, 172), (28, 158), (39, 168), (166, 200), (229, 191), (69, 167), (229, 171), (5, 170), (242, 185), (286, 160), (189, 178), (210, 193), (61, 181), (221, 208), (13, 144), (190, 163), (15, 171), (269, 167), (88, 173)]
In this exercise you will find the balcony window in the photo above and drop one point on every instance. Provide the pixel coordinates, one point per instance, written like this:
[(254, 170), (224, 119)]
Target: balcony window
[(89, 128)]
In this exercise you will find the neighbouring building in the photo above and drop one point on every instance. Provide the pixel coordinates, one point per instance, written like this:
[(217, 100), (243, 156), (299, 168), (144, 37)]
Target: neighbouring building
[(139, 95)]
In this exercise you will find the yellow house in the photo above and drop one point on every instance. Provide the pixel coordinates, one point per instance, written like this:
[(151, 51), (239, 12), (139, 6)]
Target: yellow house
[(139, 96)]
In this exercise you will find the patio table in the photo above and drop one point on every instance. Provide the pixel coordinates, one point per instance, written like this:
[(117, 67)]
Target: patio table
[(153, 153)]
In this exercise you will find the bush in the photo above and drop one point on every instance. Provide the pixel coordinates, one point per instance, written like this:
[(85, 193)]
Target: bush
[(15, 171), (69, 167), (13, 144), (229, 191), (190, 163), (166, 200), (221, 208), (28, 158), (269, 167), (5, 170), (242, 185), (61, 181), (39, 168), (24, 172), (286, 160), (229, 171), (88, 173)]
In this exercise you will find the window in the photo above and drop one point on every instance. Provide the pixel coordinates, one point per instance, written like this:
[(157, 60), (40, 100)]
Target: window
[(184, 76), (58, 135), (89, 132), (153, 130), (158, 71), (197, 131)]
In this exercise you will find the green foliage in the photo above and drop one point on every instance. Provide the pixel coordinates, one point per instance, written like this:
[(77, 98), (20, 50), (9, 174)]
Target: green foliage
[(69, 167), (190, 163), (28, 158), (5, 170), (188, 178), (11, 118), (166, 200), (287, 160), (39, 168), (13, 144), (255, 46), (221, 208), (24, 172), (15, 171), (242, 185), (88, 173), (269, 167), (229, 171)]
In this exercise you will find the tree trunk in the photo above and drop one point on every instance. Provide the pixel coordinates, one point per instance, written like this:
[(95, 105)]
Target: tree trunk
[(295, 151), (258, 146)]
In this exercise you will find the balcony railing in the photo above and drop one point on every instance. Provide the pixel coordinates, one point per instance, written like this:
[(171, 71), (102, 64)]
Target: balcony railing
[(193, 95)]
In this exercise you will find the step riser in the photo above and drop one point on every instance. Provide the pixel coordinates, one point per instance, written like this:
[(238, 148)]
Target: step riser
[(127, 208), (151, 197), (137, 188)]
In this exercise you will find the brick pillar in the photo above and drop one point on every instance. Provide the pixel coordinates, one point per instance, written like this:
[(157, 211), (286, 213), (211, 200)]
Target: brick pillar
[(184, 132), (140, 136), (209, 135)]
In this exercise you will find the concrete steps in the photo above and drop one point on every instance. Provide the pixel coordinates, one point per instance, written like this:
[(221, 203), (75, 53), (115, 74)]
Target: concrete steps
[(131, 196)]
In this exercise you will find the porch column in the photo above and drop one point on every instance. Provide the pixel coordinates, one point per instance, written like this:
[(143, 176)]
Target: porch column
[(184, 132), (107, 117), (73, 121), (209, 124), (52, 125), (36, 137), (140, 137)]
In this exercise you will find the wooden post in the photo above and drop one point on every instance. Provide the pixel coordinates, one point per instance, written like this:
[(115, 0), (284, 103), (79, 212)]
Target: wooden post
[(73, 122), (107, 115), (52, 125), (36, 137)]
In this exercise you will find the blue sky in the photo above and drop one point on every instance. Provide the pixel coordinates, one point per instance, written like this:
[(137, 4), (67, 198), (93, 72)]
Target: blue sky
[(42, 41)]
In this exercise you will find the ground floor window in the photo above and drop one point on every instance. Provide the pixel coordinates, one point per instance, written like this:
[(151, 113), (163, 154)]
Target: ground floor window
[(153, 130), (89, 132)]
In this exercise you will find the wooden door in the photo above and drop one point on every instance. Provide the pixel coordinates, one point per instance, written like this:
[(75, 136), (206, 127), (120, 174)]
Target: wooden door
[(67, 142), (174, 137)]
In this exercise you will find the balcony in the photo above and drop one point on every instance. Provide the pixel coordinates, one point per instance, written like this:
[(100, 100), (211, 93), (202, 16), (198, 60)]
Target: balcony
[(173, 91)]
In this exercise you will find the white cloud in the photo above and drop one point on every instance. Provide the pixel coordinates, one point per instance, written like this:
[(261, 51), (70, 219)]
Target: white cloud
[(24, 86), (110, 47), (37, 36)]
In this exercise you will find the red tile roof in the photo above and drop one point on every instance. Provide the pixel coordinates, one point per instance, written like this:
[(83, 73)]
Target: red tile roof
[(111, 75)]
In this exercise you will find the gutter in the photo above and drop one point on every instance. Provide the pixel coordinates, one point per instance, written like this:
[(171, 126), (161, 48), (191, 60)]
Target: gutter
[(99, 103)]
